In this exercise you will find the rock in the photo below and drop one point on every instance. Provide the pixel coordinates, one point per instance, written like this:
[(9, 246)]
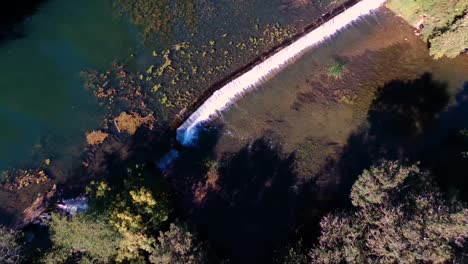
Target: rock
[(39, 205)]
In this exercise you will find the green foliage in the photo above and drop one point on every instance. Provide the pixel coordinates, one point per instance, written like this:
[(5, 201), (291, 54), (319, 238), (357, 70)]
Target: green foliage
[(445, 26), (336, 70), (405, 220), (293, 255), (178, 245), (451, 42), (10, 249), (81, 238), (134, 211), (378, 185)]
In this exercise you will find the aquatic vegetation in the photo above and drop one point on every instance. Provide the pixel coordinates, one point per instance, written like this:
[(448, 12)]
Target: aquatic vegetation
[(336, 69), (157, 17), (150, 69), (165, 101), (129, 123), (96, 137), (166, 65), (180, 46), (16, 180), (156, 87)]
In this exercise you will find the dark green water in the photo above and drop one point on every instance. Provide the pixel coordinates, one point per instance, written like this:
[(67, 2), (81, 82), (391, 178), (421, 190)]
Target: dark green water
[(44, 108)]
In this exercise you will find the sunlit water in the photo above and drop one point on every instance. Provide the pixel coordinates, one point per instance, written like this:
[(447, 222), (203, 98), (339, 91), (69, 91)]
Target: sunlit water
[(44, 108)]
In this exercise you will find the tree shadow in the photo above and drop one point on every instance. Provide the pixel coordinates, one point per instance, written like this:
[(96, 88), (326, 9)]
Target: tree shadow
[(399, 118), (13, 14), (244, 205), (444, 148)]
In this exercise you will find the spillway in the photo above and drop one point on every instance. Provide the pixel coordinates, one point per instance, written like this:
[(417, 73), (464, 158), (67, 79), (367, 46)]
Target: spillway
[(233, 90)]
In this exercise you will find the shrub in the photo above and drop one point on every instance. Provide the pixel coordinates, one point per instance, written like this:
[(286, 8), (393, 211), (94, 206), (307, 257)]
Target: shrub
[(83, 239), (134, 210), (451, 42), (10, 249), (400, 218), (178, 245)]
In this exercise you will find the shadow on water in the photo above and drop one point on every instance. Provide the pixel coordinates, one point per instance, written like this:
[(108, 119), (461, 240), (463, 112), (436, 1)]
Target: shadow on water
[(446, 144), (400, 116), (242, 203), (12, 14), (250, 202)]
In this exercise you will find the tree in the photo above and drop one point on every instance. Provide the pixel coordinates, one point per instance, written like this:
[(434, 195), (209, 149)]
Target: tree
[(10, 249), (293, 254), (81, 238), (178, 245), (451, 42), (400, 217), (133, 209)]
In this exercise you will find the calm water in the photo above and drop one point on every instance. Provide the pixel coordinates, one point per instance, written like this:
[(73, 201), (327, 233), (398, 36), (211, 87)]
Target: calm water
[(44, 108), (313, 115)]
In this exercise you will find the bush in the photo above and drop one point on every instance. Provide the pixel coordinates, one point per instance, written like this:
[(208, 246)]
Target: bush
[(178, 245), (400, 218), (451, 42), (135, 211), (10, 249), (83, 239)]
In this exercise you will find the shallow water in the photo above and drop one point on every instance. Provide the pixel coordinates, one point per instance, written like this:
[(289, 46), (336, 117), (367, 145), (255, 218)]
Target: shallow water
[(44, 108), (313, 115)]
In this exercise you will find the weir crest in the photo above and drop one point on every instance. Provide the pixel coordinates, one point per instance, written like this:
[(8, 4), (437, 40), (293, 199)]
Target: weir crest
[(233, 90)]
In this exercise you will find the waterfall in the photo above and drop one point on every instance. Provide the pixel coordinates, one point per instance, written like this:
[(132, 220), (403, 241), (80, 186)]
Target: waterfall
[(229, 93)]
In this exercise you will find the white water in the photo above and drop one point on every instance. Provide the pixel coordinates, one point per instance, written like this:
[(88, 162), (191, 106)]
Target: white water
[(228, 94)]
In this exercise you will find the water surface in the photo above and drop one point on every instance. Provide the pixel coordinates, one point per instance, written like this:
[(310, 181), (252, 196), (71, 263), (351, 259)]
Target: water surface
[(44, 108)]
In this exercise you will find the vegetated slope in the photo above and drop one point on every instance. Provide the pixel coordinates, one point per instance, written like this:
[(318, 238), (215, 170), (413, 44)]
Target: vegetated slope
[(442, 24)]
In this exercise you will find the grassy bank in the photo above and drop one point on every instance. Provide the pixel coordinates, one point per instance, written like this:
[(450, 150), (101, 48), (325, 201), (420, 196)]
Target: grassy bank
[(442, 24)]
